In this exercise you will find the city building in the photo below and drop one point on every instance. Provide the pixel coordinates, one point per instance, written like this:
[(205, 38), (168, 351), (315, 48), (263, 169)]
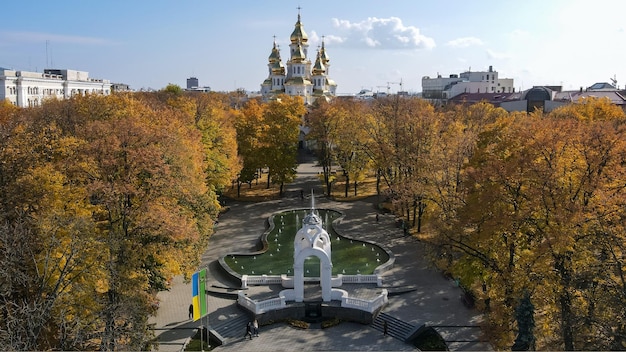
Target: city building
[(299, 77), (544, 98), (192, 82), (120, 87), (26, 89), (193, 85), (439, 90)]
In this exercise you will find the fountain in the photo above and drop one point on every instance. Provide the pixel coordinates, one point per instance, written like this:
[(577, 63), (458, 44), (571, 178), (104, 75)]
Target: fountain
[(307, 250)]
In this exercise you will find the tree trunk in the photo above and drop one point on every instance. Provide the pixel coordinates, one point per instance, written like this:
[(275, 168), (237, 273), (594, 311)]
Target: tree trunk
[(347, 184), (421, 209), (326, 170), (565, 301), (355, 184), (268, 178)]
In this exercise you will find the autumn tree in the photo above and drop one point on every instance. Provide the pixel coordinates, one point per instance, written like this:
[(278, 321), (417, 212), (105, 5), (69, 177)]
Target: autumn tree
[(540, 202), (104, 199), (154, 209), (250, 126), (217, 123), (49, 249), (401, 135), (283, 118), (351, 140), (323, 123)]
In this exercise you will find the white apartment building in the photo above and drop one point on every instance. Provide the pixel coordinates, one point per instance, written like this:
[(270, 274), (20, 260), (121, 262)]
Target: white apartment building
[(444, 88), (26, 89)]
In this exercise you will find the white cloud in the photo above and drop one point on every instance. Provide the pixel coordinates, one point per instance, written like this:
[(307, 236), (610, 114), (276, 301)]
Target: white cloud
[(381, 33), (38, 37), (333, 39), (465, 42), (498, 55), (315, 39)]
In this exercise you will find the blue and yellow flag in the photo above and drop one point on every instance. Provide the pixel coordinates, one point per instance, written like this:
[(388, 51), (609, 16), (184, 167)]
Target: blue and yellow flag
[(198, 294)]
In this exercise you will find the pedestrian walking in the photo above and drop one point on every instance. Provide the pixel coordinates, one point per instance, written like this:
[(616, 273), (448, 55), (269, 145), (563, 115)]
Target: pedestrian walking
[(385, 327), (191, 311), (248, 330), (255, 325), (376, 217)]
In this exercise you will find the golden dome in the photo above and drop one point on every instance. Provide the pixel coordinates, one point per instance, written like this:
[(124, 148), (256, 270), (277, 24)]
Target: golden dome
[(298, 54), (319, 68), (323, 55), (278, 68), (275, 55), (298, 34)]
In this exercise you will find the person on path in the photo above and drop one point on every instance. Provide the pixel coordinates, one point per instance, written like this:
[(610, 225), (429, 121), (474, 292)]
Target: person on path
[(191, 311), (255, 325), (385, 327), (248, 330)]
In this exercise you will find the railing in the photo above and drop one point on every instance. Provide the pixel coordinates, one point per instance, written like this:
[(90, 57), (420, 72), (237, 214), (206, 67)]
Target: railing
[(260, 280), (287, 281), (360, 279), (366, 305), (260, 306)]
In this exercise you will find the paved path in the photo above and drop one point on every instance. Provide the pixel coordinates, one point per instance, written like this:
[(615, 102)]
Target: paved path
[(436, 302)]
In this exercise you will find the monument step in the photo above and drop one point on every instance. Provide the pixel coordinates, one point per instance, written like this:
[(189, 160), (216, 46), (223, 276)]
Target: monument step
[(396, 328), (233, 328)]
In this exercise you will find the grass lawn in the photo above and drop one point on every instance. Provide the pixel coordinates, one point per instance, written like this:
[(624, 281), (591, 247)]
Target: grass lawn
[(349, 256)]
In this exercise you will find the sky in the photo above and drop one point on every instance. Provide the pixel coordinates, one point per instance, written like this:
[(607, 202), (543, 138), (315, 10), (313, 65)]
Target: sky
[(149, 44)]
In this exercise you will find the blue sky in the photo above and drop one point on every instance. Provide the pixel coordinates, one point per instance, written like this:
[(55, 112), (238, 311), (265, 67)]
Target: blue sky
[(225, 44)]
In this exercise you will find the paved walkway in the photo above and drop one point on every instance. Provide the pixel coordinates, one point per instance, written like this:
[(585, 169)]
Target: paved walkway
[(436, 302)]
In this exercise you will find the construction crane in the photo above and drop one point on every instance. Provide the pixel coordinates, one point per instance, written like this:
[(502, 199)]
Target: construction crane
[(399, 83)]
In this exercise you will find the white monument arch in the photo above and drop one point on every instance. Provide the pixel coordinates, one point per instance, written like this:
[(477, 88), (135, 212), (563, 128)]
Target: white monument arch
[(312, 240)]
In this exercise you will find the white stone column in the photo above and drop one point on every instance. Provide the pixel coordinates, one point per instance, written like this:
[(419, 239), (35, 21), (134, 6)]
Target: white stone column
[(298, 281), (325, 281)]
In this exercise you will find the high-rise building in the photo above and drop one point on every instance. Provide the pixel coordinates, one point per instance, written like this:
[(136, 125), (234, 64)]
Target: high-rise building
[(192, 82), (299, 77)]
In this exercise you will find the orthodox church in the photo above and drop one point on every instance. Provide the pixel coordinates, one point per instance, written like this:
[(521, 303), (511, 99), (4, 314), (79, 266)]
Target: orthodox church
[(299, 77)]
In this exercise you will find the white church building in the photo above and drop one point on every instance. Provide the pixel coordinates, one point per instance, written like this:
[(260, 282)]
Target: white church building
[(299, 77)]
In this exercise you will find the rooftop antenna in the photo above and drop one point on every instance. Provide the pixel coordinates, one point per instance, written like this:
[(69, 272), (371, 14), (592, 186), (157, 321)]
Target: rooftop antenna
[(47, 42)]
